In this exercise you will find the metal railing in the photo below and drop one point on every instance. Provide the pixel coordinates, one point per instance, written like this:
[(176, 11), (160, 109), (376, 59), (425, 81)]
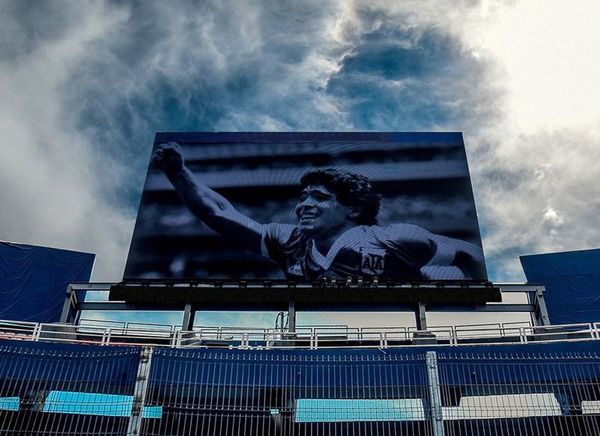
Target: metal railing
[(57, 389), (306, 337), (125, 325)]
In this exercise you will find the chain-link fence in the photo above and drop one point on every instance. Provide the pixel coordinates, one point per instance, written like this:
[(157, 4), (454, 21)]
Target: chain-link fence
[(68, 389)]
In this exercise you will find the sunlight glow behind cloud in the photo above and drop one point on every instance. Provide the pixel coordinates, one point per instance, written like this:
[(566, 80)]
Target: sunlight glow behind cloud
[(550, 52)]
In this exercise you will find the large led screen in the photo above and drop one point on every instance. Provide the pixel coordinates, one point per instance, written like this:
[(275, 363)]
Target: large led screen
[(307, 206)]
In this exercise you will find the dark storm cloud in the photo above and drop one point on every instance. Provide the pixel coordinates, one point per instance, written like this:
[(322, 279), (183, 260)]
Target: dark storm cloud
[(205, 67), (116, 72), (395, 79), (86, 84), (29, 23)]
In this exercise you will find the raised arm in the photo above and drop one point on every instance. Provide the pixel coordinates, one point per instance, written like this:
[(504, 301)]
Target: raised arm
[(212, 208)]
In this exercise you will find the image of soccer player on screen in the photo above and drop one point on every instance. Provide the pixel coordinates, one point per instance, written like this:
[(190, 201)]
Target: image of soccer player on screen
[(336, 234)]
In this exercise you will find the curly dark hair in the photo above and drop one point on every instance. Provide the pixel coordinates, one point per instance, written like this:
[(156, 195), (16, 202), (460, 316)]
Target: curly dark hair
[(350, 189)]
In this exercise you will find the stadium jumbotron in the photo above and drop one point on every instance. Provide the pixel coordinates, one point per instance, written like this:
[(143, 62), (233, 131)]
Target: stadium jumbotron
[(379, 230)]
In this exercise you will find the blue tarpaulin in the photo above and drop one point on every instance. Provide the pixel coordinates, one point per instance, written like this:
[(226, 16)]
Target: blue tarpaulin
[(40, 382), (69, 367), (33, 280), (338, 368), (572, 281)]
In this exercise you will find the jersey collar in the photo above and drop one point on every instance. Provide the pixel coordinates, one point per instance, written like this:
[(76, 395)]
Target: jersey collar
[(325, 262)]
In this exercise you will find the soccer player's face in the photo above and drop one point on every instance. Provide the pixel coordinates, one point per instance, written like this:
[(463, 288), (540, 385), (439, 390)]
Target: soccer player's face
[(319, 213)]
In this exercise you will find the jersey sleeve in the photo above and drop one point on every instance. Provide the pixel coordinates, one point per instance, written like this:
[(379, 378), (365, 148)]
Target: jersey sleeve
[(275, 239), (408, 243), (455, 259)]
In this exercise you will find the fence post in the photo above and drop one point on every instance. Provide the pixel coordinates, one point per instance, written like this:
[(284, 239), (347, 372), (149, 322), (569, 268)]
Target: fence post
[(37, 331), (175, 339), (67, 309), (291, 316), (421, 316), (435, 395), (541, 312), (189, 313), (139, 392)]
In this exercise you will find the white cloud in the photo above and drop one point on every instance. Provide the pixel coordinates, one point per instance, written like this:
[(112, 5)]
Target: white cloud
[(537, 181), (550, 52), (82, 101), (535, 160), (553, 217), (49, 195)]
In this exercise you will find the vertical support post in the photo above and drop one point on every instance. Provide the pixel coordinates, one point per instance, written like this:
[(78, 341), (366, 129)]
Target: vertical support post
[(541, 311), (139, 392), (66, 310), (292, 316), (37, 331), (435, 395), (421, 315), (189, 314)]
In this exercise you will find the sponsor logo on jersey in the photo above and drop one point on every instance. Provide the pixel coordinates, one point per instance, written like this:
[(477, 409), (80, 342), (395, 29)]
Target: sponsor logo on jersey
[(372, 260)]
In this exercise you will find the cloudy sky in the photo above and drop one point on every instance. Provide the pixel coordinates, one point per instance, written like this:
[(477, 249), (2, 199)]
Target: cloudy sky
[(84, 85)]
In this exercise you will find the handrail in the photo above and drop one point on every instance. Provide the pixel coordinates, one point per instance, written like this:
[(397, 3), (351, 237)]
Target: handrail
[(309, 338)]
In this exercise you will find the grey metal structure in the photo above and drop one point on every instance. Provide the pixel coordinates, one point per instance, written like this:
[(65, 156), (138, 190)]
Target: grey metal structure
[(304, 337), (535, 305)]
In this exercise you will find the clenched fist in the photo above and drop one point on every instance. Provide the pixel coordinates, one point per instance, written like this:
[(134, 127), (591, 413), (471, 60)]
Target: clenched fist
[(168, 158)]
